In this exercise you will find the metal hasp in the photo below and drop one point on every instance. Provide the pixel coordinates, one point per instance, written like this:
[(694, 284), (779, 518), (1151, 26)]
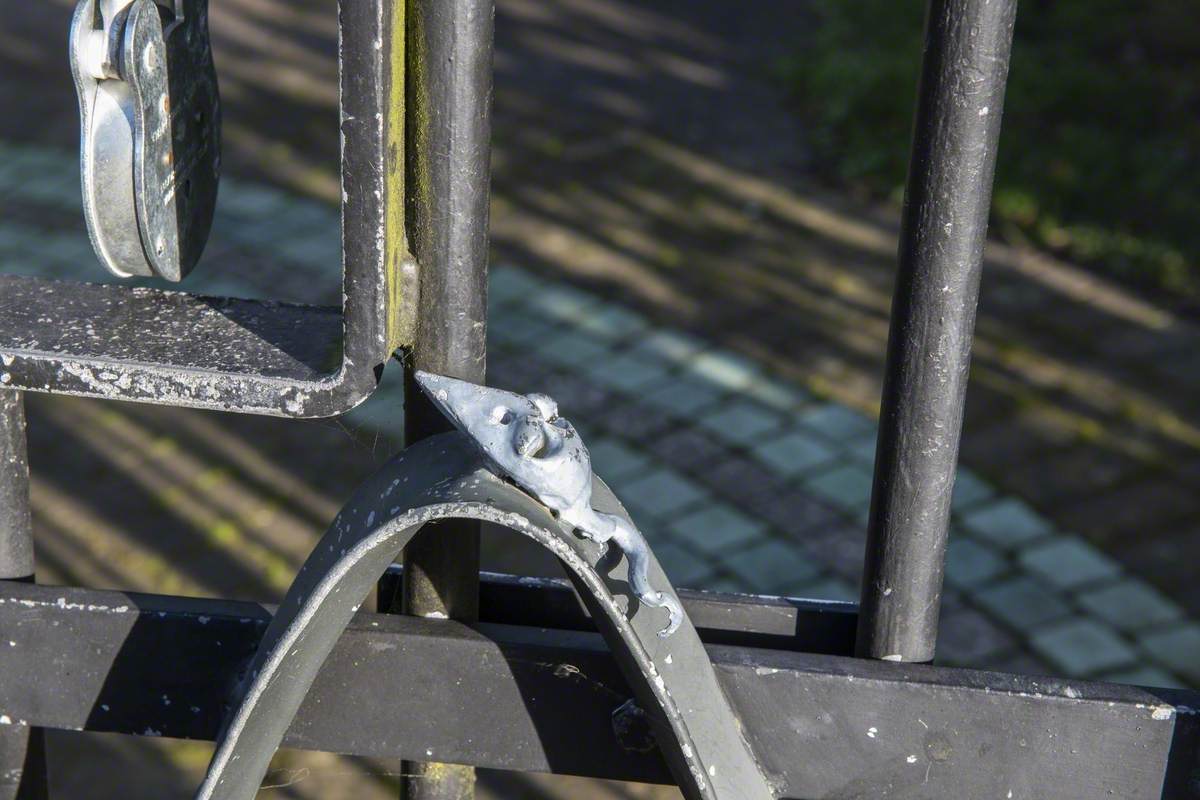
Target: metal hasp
[(448, 45), (524, 438), (22, 750), (944, 227), (249, 356), (446, 477), (150, 146)]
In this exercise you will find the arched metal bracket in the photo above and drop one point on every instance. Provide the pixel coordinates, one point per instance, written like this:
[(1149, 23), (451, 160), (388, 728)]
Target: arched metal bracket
[(445, 477)]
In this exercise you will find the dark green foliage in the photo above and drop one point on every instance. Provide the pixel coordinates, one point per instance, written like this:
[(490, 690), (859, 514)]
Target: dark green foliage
[(1100, 150)]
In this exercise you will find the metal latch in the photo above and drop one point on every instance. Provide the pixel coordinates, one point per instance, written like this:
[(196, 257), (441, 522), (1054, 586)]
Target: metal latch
[(150, 148)]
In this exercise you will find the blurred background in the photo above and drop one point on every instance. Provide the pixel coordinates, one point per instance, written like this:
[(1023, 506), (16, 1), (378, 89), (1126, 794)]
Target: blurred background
[(694, 232)]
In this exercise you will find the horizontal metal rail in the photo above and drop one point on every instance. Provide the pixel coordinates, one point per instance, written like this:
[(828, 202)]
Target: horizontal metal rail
[(525, 698)]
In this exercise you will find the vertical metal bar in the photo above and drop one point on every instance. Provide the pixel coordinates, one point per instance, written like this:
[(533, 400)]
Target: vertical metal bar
[(22, 756), (944, 227), (449, 93)]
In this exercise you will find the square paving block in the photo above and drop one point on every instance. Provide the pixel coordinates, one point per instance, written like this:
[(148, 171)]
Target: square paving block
[(508, 283), (1177, 648), (1130, 605), (562, 303), (724, 370), (1083, 647), (614, 461), (776, 394), (794, 452), (847, 486), (716, 529), (969, 490), (661, 493), (836, 423), (1067, 562), (1006, 523), (627, 372), (771, 566), (610, 322), (570, 350), (681, 395), (968, 638), (1022, 602), (684, 567), (673, 346), (970, 563), (740, 422)]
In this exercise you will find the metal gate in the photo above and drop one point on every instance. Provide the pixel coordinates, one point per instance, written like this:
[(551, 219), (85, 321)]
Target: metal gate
[(753, 697)]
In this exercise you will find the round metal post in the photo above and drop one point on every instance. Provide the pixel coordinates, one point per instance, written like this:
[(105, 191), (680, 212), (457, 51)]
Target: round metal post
[(448, 132), (944, 228), (22, 756)]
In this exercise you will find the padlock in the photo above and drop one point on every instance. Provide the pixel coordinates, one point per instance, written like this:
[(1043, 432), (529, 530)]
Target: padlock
[(150, 147)]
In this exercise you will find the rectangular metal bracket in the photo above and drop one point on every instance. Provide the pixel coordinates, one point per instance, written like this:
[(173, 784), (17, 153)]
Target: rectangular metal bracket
[(255, 357)]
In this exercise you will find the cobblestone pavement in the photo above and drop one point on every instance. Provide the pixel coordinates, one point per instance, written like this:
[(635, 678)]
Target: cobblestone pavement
[(712, 320)]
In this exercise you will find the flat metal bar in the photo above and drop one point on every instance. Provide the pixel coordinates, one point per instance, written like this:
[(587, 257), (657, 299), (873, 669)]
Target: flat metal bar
[(778, 623), (943, 231), (525, 698), (448, 175), (22, 751)]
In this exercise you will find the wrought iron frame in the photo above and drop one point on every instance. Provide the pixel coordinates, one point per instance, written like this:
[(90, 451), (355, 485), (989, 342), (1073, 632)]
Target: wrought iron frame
[(834, 700)]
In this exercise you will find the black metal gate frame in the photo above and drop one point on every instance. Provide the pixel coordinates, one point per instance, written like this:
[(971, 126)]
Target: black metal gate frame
[(531, 685)]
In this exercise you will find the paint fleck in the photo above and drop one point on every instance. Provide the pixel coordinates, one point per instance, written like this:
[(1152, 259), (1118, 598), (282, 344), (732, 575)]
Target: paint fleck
[(872, 731)]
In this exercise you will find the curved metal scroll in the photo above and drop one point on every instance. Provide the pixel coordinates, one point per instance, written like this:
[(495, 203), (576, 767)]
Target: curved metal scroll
[(445, 477)]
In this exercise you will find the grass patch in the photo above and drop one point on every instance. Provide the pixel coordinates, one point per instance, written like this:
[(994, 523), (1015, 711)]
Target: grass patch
[(1100, 149)]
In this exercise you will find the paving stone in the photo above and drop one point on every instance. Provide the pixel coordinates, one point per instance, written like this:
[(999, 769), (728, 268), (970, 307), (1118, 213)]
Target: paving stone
[(746, 483), (577, 395), (1142, 506), (776, 394), (557, 302), (861, 449), (1083, 647), (673, 346), (836, 423), (969, 490), (740, 422), (518, 373), (847, 486), (682, 396), (970, 563), (1177, 648), (661, 493), (1022, 602), (796, 511), (626, 372), (1006, 522), (716, 529), (688, 449), (794, 452), (610, 322), (724, 370), (1130, 605), (520, 331), (772, 565), (636, 422), (684, 566), (511, 284), (1152, 677), (614, 461), (968, 638), (570, 350), (1067, 562), (839, 548)]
